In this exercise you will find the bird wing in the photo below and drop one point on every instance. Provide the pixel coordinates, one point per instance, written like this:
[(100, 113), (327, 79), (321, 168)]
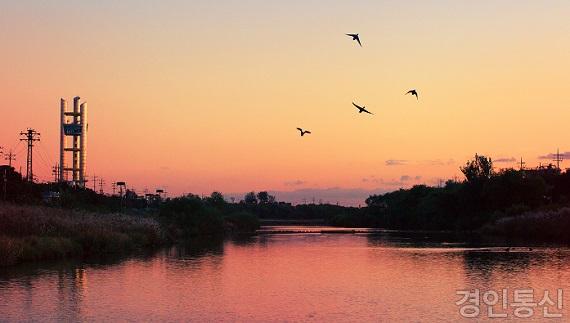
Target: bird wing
[(351, 35), (410, 91), (367, 111), (358, 40), (356, 105), (300, 129), (307, 131)]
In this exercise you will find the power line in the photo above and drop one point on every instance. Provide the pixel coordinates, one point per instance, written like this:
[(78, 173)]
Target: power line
[(10, 157), (17, 146), (15, 151), (5, 182), (44, 162), (30, 136), (46, 153), (45, 159), (101, 183), (55, 172), (19, 150), (95, 183), (558, 159), (522, 163)]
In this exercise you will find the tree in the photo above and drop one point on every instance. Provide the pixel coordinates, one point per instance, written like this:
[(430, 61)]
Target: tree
[(480, 167), (216, 199), (271, 199), (265, 198), (250, 198)]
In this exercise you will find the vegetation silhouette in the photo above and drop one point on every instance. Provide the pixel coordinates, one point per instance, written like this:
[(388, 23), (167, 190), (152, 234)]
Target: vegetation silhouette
[(481, 200), (32, 233), (529, 204), (192, 216)]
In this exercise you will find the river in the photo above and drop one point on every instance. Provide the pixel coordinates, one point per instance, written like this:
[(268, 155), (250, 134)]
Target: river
[(296, 274)]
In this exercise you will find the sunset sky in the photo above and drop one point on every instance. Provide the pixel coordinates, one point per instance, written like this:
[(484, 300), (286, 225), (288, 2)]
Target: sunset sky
[(197, 96)]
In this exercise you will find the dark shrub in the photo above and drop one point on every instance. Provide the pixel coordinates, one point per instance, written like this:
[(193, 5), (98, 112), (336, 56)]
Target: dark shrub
[(241, 222)]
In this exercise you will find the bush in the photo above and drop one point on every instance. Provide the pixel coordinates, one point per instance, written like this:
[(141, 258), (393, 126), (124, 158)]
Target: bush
[(10, 250), (241, 222), (546, 225), (190, 216), (38, 233)]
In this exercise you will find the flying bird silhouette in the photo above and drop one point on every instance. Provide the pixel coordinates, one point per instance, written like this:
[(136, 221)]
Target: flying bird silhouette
[(303, 132), (413, 92), (361, 109), (355, 37)]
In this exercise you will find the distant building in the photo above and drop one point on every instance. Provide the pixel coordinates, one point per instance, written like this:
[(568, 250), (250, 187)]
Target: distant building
[(73, 124)]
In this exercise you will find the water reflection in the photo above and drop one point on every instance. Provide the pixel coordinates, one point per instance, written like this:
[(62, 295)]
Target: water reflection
[(384, 276), (196, 248), (70, 288)]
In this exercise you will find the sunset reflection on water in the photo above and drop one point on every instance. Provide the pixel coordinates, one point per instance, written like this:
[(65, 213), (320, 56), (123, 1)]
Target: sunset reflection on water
[(385, 276)]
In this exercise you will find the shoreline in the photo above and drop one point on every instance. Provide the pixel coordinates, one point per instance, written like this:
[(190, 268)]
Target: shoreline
[(33, 233), (38, 233)]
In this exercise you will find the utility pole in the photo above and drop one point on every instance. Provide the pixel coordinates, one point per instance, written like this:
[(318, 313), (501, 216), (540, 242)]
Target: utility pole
[(123, 189), (522, 163), (101, 183), (30, 136), (95, 183), (55, 173), (10, 157), (5, 182), (558, 159)]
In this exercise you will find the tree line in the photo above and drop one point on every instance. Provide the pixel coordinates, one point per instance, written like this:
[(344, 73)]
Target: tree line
[(485, 196)]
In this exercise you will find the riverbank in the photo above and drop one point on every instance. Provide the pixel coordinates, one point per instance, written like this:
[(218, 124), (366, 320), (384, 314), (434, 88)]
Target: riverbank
[(34, 233), (536, 226)]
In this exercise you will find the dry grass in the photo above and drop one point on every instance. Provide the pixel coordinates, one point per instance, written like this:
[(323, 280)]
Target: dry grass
[(33, 233), (548, 226)]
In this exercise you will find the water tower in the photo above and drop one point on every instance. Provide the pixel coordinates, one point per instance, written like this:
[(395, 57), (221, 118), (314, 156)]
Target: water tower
[(74, 127)]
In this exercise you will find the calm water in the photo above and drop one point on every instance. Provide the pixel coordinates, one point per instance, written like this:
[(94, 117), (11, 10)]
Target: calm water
[(307, 276)]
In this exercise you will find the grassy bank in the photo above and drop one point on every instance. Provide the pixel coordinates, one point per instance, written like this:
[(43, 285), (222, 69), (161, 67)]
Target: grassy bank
[(543, 226), (32, 233), (192, 216)]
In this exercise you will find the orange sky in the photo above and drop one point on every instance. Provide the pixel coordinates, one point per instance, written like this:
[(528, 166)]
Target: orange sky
[(206, 96)]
